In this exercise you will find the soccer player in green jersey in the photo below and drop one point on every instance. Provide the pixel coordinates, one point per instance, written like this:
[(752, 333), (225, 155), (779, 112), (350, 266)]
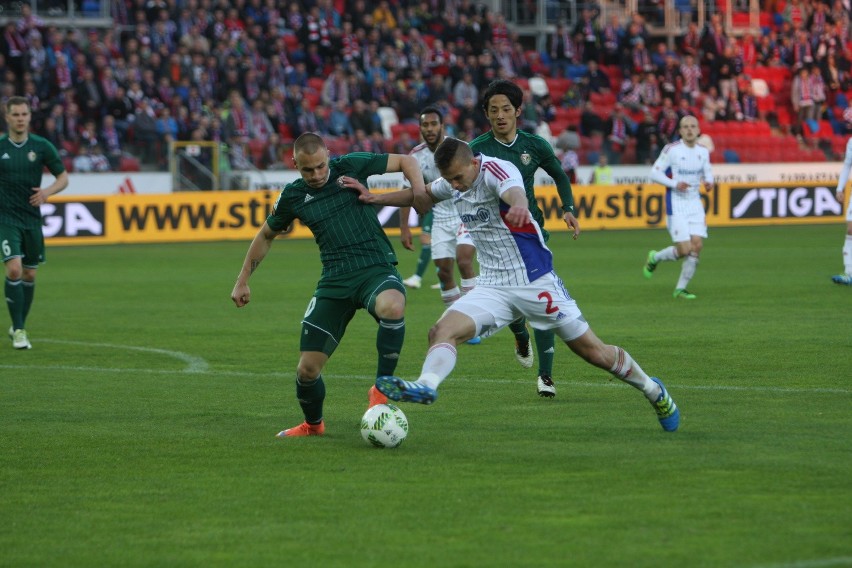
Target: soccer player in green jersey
[(23, 157), (501, 102), (358, 263)]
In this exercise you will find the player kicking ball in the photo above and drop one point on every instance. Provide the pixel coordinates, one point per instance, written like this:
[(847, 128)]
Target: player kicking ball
[(516, 279)]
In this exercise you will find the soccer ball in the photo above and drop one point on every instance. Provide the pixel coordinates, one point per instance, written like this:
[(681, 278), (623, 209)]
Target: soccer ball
[(384, 426)]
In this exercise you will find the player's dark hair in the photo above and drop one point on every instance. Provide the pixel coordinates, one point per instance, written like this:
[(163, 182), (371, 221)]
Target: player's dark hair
[(450, 150), (308, 143), (433, 110), (15, 101), (503, 87)]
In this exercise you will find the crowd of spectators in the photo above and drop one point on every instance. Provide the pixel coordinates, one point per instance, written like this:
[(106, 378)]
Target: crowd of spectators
[(254, 74)]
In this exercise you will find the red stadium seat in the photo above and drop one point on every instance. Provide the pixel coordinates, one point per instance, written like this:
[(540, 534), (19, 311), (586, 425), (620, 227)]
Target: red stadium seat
[(129, 164), (413, 130)]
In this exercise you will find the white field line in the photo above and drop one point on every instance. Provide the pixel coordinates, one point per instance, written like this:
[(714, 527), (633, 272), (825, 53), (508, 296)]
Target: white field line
[(199, 366)]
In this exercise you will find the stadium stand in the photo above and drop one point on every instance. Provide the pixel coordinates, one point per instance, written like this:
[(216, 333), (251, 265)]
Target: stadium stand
[(172, 71)]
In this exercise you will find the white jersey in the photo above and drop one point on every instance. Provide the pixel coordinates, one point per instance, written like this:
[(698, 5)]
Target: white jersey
[(690, 165), (443, 214), (844, 178), (508, 255)]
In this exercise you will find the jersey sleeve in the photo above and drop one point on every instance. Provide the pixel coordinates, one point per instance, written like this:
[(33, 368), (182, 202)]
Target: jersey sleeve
[(844, 170), (658, 170), (708, 169), (441, 189), (282, 215), (506, 177), (362, 165), (550, 164), (52, 160)]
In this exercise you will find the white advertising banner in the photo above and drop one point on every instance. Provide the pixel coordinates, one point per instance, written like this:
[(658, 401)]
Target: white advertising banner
[(160, 182)]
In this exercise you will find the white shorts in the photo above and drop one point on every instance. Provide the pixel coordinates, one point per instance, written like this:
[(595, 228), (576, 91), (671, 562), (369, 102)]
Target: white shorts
[(545, 303), (446, 238), (684, 225)]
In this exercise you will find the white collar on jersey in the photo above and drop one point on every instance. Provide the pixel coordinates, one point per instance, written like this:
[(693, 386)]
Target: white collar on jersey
[(515, 139)]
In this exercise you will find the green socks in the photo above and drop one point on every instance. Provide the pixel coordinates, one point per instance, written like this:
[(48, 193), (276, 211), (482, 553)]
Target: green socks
[(15, 302), (389, 341), (311, 397)]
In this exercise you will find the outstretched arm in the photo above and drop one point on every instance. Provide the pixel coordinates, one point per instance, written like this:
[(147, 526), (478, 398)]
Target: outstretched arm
[(257, 251), (403, 198), (410, 168)]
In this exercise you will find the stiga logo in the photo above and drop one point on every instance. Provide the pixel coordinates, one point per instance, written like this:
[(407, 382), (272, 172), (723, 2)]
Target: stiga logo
[(783, 202), (73, 219)]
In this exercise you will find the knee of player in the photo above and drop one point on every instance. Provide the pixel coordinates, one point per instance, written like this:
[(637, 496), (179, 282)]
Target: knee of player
[(390, 305), (452, 330), (307, 372), (592, 350), (394, 310), (13, 274)]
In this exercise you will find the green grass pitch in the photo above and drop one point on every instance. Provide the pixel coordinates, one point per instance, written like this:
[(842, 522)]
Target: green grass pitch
[(139, 430)]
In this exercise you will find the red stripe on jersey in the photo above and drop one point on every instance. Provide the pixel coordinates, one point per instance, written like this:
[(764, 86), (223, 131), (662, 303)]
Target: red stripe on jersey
[(529, 228), (417, 148), (495, 169)]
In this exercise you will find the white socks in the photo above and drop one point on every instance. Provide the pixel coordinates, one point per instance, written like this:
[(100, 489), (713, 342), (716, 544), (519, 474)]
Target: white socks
[(687, 271), (847, 255), (440, 361), (449, 297), (467, 284), (667, 254), (629, 371)]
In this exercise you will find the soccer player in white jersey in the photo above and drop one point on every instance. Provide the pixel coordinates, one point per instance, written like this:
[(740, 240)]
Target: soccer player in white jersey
[(516, 279), (451, 243), (846, 277), (689, 163)]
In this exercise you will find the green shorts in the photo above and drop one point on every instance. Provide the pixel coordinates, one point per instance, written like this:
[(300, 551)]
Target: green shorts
[(26, 244), (336, 300), (426, 223)]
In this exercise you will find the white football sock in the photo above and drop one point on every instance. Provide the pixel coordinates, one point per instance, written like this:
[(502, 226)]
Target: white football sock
[(667, 254), (687, 271), (847, 255), (467, 284), (440, 361), (449, 297), (629, 371)]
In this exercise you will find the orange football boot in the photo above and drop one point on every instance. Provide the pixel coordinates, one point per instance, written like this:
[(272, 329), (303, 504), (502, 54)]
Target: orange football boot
[(303, 429), (375, 397)]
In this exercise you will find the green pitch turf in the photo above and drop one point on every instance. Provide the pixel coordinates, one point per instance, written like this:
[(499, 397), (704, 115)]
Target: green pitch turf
[(139, 430)]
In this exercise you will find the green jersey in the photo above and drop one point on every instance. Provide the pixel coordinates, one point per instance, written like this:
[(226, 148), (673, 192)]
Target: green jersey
[(529, 152), (347, 231), (21, 168)]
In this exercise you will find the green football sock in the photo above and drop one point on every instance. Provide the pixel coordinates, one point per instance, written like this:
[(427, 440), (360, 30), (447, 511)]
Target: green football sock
[(423, 261), (15, 302), (29, 294), (519, 328), (311, 396), (389, 341), (544, 341)]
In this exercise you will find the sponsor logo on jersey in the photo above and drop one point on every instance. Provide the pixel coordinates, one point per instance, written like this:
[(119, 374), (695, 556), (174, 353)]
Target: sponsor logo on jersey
[(308, 197), (5, 157), (481, 215)]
